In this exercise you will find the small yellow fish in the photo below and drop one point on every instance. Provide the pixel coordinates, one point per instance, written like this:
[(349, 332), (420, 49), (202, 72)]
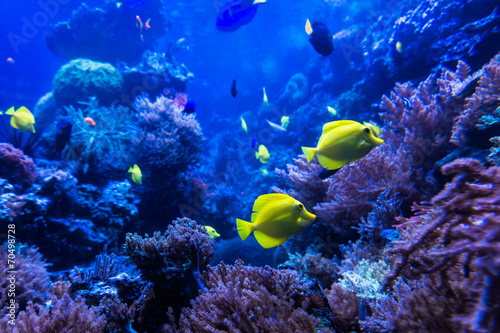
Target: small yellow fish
[(342, 142), (211, 232), (399, 47), (264, 99), (136, 174), (22, 119), (263, 154), (331, 111), (275, 218), (264, 172), (244, 125), (285, 121), (309, 29)]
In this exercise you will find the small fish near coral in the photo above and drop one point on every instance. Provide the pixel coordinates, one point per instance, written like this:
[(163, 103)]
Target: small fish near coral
[(263, 154), (275, 218), (264, 98), (237, 13), (212, 233), (136, 174), (343, 142), (190, 107), (321, 38), (234, 91), (63, 133), (89, 121), (276, 127), (244, 125), (22, 119)]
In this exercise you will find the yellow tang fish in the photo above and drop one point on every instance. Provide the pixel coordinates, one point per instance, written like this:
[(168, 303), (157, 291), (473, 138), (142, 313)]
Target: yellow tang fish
[(331, 110), (22, 119), (211, 232), (264, 99), (263, 154), (399, 47), (342, 142), (136, 174), (275, 218), (244, 125), (285, 121)]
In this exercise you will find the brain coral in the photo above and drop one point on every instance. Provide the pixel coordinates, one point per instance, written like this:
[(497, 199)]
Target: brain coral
[(81, 78)]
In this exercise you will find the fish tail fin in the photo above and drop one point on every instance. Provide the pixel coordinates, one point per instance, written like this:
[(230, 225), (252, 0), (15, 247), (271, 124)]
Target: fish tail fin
[(244, 228), (10, 111), (257, 155), (130, 169), (310, 153)]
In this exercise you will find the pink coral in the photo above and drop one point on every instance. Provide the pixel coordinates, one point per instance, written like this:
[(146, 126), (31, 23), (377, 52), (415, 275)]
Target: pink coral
[(15, 166)]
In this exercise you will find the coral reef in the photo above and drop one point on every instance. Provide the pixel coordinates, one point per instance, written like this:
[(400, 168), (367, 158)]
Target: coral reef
[(89, 32), (457, 230), (16, 167), (81, 79), (249, 299)]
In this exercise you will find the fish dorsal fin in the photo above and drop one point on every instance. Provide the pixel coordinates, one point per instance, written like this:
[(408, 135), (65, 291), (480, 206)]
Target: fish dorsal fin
[(335, 124), (330, 164), (268, 242), (266, 199), (10, 111)]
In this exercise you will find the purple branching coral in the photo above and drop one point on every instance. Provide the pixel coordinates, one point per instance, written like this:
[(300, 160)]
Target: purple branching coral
[(31, 281), (250, 299), (460, 227), (484, 101)]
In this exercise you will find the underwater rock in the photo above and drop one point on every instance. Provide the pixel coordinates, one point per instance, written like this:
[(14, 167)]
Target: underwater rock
[(249, 251), (45, 111), (89, 32), (16, 167), (81, 79), (156, 73)]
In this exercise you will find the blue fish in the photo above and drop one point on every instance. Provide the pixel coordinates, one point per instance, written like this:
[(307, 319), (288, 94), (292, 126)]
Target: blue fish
[(237, 13), (190, 107), (63, 133), (321, 39), (254, 143)]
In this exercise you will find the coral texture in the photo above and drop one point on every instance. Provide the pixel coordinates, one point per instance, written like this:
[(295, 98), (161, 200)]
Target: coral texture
[(459, 228), (81, 79), (15, 166)]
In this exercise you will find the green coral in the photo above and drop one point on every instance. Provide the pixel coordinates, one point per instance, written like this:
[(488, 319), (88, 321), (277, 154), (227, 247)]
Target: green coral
[(366, 278), (81, 79), (105, 145)]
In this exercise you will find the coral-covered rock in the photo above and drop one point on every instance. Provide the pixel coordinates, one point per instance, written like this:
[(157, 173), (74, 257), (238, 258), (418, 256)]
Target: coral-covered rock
[(81, 79), (16, 167)]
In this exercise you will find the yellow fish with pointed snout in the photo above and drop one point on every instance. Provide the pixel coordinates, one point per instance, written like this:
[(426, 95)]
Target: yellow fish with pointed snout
[(211, 232), (22, 119), (275, 218), (136, 174), (343, 142)]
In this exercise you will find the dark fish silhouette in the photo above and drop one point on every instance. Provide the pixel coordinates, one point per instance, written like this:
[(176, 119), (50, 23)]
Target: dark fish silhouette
[(321, 38), (237, 13), (63, 133), (234, 92), (190, 107)]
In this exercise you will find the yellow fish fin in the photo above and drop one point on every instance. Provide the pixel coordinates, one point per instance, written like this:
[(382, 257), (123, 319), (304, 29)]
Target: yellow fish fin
[(10, 111), (266, 199), (244, 228), (268, 242), (13, 122), (334, 124), (330, 164), (310, 153), (309, 29), (130, 169)]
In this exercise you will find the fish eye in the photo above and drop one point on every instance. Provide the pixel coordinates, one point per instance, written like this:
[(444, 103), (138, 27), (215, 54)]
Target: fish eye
[(367, 130), (301, 206)]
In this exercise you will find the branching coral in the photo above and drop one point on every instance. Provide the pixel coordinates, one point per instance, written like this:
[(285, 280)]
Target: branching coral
[(64, 315), (250, 299), (459, 228), (31, 279), (482, 103)]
